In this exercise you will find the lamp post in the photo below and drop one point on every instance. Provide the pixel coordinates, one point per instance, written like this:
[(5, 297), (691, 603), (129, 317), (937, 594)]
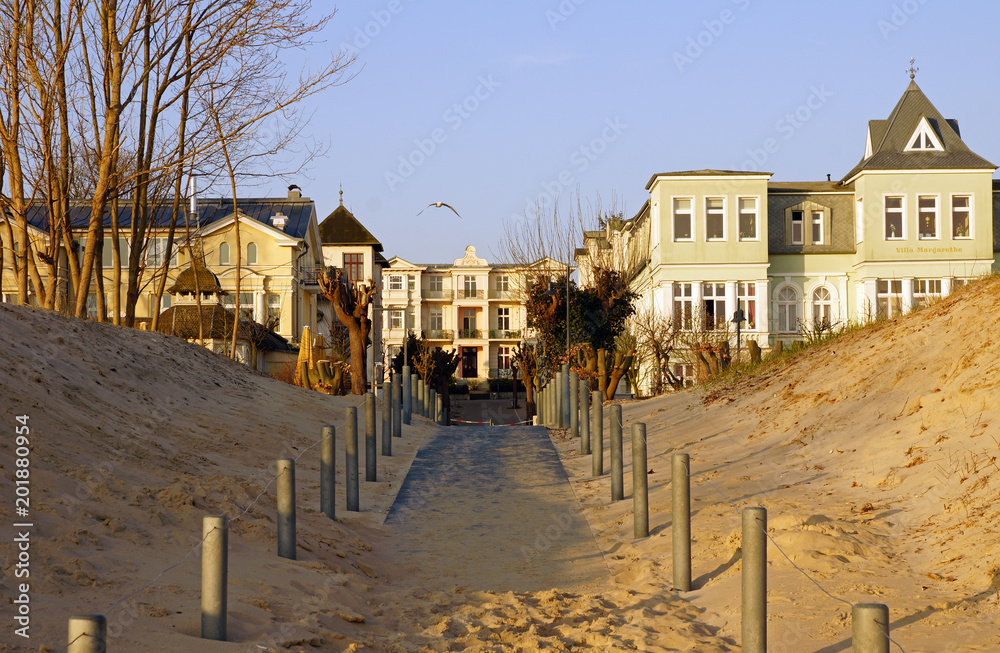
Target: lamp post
[(513, 370), (738, 320)]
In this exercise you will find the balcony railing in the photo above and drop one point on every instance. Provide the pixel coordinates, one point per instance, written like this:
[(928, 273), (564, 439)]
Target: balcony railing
[(439, 334), (309, 274), (437, 294), (500, 294), (505, 334), (470, 334), (466, 293)]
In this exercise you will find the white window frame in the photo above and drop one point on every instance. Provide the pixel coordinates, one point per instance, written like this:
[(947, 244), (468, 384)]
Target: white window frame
[(714, 293), (223, 249), (929, 141), (756, 216), (787, 312), (252, 249), (395, 282), (822, 305), (273, 308), (155, 250), (969, 210), (925, 291), (411, 282), (816, 220), (503, 319), (435, 280), (746, 298), (395, 319), (722, 211), (893, 298), (937, 216), (801, 240), (503, 358), (503, 283), (885, 216), (683, 305), (436, 319), (675, 213)]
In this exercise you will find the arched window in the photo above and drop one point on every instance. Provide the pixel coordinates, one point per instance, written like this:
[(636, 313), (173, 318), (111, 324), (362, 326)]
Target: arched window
[(822, 309), (252, 254), (224, 254), (787, 318)]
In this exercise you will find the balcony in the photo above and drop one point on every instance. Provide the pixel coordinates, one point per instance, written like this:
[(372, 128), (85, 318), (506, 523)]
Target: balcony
[(443, 295), (309, 275), (505, 334), (467, 293), (439, 334), (470, 334), (505, 295)]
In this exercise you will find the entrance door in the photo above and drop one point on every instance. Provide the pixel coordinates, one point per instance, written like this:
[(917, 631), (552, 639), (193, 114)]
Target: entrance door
[(470, 362)]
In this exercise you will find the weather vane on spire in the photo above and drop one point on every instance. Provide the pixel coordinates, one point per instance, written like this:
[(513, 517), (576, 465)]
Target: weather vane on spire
[(913, 70), (341, 194)]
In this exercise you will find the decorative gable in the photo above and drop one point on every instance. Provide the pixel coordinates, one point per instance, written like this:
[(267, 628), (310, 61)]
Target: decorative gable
[(924, 139)]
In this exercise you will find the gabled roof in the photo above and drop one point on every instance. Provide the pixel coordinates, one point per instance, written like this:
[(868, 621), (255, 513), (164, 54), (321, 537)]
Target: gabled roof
[(889, 139), (342, 228)]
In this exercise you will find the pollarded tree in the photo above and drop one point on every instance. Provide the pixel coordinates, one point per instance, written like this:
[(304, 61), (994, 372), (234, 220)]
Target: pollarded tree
[(351, 302)]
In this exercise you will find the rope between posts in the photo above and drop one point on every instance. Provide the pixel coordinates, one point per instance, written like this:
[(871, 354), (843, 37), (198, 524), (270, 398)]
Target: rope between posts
[(202, 540), (775, 544)]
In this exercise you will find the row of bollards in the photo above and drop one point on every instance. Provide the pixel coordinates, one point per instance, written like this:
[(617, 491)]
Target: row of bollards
[(401, 397)]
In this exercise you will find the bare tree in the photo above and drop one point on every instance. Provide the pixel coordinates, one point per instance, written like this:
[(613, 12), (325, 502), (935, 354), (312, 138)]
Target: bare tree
[(351, 302), (657, 336)]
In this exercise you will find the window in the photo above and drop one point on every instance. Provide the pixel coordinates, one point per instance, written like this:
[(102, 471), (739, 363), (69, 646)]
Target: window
[(411, 282), (798, 228), (817, 227), (354, 265), (437, 319), (10, 298), (108, 258), (715, 218), (274, 311), (685, 373), (395, 282), (246, 304), (961, 210), (156, 253), (894, 218), (396, 319), (683, 222), (714, 296), (503, 358), (683, 306), (470, 286), (251, 253), (748, 218), (925, 291), (927, 217), (503, 319), (822, 309), (747, 293), (503, 283), (924, 138), (436, 282), (787, 317), (92, 305), (469, 323), (889, 299), (163, 305), (224, 254)]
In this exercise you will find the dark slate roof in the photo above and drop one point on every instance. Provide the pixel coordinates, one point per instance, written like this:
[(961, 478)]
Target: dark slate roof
[(809, 187), (217, 324), (207, 281), (707, 172), (841, 205), (298, 211), (891, 136), (342, 228)]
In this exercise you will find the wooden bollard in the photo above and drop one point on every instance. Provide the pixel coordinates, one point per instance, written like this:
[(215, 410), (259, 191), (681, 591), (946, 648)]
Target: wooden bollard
[(214, 576), (617, 473), (754, 602), (870, 628), (351, 457), (328, 472), (680, 481), (286, 508), (88, 633), (584, 417), (640, 483), (597, 432)]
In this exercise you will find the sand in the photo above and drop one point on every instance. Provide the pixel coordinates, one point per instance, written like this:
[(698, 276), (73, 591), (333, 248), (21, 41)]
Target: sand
[(874, 455)]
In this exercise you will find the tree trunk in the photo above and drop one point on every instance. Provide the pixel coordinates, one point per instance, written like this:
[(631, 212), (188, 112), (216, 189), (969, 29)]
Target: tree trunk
[(602, 371)]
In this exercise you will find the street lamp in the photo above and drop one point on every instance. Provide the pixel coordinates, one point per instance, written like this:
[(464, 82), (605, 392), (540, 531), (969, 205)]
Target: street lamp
[(513, 369), (738, 319)]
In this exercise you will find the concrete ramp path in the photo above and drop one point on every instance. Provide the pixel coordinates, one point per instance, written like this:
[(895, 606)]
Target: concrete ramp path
[(491, 508)]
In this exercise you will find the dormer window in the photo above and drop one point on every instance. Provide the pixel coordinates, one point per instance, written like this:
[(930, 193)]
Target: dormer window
[(924, 139)]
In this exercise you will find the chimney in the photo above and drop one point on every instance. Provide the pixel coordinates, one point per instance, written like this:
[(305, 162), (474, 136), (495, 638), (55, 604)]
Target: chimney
[(294, 192), (279, 220), (828, 176), (193, 193)]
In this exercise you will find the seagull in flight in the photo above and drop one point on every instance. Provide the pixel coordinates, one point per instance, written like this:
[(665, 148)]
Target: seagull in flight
[(439, 205)]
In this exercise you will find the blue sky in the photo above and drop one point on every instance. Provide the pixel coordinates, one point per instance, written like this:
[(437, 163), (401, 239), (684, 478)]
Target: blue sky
[(494, 106)]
